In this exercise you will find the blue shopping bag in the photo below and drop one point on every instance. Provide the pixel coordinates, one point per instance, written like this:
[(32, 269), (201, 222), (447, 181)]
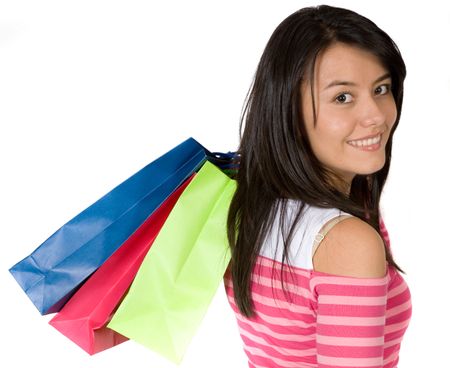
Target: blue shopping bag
[(53, 272)]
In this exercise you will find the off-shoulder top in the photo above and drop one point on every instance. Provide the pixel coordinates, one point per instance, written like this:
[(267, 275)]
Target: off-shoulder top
[(318, 319)]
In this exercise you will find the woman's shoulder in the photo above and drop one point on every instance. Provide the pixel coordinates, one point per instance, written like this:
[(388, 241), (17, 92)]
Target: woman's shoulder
[(351, 248)]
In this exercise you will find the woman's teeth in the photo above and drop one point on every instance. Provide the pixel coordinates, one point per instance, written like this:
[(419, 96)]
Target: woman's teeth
[(366, 142)]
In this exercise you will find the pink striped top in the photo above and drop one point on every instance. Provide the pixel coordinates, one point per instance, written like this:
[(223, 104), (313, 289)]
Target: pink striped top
[(323, 320)]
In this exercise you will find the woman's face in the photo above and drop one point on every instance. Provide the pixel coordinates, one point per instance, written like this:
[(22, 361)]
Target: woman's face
[(353, 98)]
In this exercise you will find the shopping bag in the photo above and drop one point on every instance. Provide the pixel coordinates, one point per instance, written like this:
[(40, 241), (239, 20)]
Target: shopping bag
[(182, 270), (84, 317), (53, 272)]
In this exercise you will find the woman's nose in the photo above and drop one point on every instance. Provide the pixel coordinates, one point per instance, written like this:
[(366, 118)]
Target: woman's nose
[(372, 112)]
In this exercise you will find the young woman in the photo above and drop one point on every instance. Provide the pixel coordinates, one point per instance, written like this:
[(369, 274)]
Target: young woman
[(312, 280)]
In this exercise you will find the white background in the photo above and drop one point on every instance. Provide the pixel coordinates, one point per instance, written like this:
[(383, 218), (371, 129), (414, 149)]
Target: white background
[(91, 91)]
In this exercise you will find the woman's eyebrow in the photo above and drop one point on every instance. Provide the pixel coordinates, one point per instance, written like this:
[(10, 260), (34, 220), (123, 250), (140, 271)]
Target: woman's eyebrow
[(347, 83)]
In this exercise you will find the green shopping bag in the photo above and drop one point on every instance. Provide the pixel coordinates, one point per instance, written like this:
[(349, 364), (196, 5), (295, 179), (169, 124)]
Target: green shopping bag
[(182, 270)]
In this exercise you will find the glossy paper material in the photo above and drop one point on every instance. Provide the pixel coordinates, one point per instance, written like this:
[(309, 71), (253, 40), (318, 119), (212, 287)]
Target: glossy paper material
[(83, 319), (51, 274), (182, 271)]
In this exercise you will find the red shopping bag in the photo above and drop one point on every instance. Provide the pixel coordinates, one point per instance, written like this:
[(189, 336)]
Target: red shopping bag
[(83, 319)]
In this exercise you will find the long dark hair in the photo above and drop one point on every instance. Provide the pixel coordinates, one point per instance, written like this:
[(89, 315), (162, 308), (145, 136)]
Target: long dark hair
[(276, 162)]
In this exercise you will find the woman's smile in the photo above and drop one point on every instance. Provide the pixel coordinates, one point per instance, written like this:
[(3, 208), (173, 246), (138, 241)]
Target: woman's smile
[(372, 144)]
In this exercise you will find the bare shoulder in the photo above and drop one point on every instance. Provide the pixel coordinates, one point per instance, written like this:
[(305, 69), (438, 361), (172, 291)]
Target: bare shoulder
[(351, 248)]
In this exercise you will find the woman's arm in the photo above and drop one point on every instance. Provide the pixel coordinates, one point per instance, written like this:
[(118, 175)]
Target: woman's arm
[(350, 284)]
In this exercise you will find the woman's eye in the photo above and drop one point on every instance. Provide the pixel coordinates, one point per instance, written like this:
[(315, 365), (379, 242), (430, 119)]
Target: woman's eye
[(384, 88), (343, 98)]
